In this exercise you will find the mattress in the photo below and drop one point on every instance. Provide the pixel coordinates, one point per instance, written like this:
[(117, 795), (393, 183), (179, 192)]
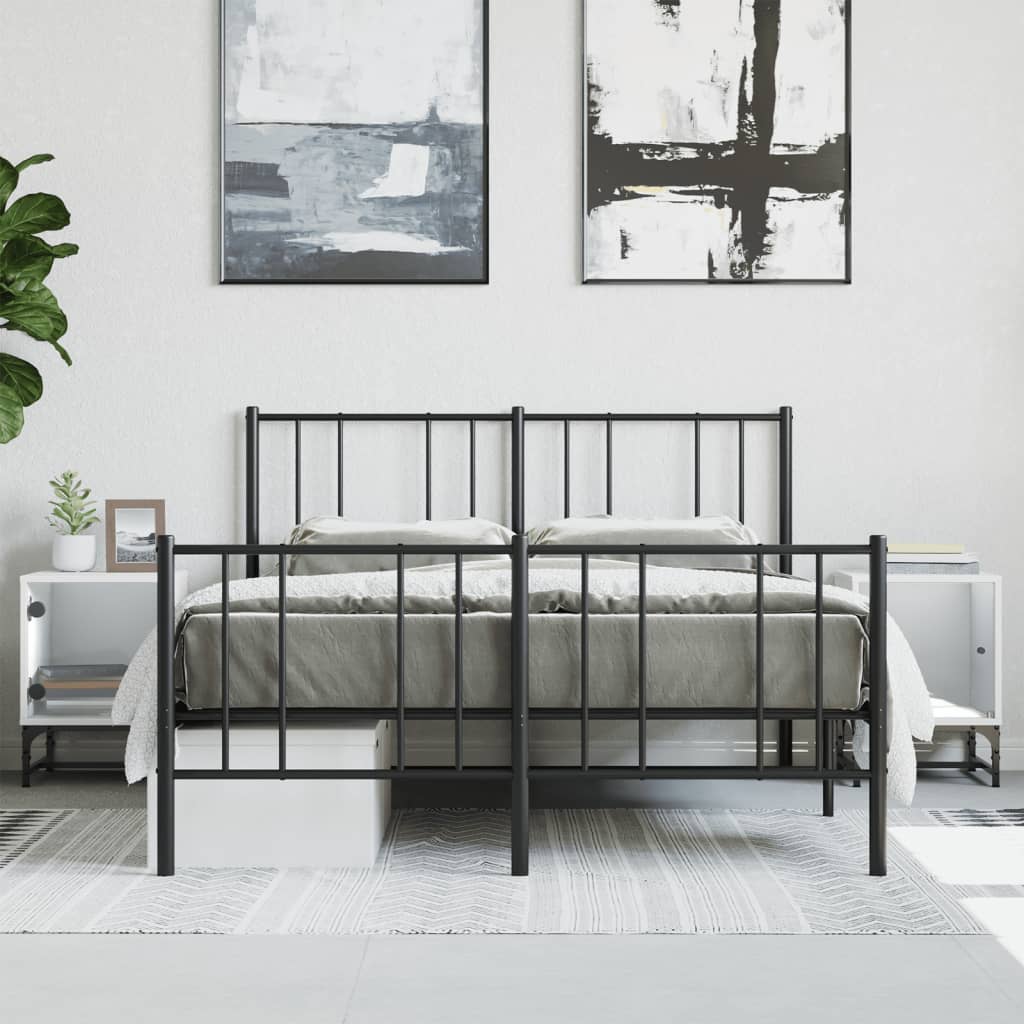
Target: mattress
[(342, 650)]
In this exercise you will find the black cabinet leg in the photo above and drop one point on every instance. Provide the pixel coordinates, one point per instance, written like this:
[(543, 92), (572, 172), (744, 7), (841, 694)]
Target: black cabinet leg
[(26, 757), (785, 743), (994, 740), (972, 752), (51, 749)]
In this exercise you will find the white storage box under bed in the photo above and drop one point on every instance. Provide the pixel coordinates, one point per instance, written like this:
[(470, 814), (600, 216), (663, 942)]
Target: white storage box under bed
[(274, 822)]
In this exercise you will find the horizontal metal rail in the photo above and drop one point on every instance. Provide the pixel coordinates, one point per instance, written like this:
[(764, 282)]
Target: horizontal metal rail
[(255, 715), (409, 771), (383, 417), (343, 549), (653, 417), (597, 550), (553, 772)]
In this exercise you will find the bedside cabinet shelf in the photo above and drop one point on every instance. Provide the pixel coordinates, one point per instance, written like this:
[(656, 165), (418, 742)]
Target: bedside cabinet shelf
[(953, 623), (78, 619)]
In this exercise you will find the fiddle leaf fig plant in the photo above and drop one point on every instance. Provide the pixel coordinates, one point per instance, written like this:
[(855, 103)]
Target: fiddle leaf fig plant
[(26, 304), (73, 512)]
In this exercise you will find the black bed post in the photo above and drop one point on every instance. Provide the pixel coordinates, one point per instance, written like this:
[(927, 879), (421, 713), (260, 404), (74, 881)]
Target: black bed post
[(165, 705), (786, 484), (520, 658), (518, 470), (785, 537), (878, 683), (252, 488)]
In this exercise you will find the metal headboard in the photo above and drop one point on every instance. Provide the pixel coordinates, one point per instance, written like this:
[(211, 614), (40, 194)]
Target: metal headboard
[(518, 419)]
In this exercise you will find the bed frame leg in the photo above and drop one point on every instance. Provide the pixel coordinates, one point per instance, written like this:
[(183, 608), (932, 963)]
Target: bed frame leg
[(165, 706), (520, 708), (828, 786), (878, 682), (785, 743)]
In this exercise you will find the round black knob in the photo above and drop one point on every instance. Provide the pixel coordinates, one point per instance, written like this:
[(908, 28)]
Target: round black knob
[(36, 609), (37, 691)]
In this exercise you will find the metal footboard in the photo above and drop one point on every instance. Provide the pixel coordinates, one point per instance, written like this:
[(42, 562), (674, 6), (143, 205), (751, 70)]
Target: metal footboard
[(519, 772)]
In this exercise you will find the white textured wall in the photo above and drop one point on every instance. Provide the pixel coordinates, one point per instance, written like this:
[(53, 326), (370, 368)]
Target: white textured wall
[(906, 385)]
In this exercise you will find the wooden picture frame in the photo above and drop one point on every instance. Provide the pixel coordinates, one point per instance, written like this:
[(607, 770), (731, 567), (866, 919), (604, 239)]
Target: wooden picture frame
[(140, 553)]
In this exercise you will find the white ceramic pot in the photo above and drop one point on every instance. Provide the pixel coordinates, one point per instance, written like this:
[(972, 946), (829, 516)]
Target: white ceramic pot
[(74, 553)]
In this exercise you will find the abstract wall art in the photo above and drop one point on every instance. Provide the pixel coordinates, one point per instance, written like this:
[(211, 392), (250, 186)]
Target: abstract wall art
[(717, 142), (354, 141)]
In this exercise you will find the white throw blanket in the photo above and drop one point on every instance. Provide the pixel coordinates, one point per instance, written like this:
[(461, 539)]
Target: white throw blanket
[(910, 710)]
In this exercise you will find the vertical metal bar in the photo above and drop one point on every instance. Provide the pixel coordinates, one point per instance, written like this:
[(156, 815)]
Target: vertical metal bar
[(743, 472), (520, 706), (472, 468), (225, 663), (828, 786), (696, 465), (642, 665), (165, 704), (252, 487), (430, 478), (878, 684), (584, 662), (282, 664), (759, 664), (786, 485), (298, 471), (518, 466), (341, 465), (566, 463), (819, 663), (608, 465), (459, 673), (400, 660), (785, 743)]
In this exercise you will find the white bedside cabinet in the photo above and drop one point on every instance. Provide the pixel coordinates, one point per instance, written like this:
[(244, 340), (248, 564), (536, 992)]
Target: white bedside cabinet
[(954, 624), (78, 618)]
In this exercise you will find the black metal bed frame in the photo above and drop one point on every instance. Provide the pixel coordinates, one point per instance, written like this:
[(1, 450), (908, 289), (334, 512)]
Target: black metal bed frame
[(830, 764)]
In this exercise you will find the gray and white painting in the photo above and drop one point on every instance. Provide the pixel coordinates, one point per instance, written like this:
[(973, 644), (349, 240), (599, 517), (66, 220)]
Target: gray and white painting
[(355, 140), (717, 143)]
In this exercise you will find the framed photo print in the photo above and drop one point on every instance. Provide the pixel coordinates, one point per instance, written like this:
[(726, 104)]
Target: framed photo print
[(717, 141), (132, 529), (354, 144)]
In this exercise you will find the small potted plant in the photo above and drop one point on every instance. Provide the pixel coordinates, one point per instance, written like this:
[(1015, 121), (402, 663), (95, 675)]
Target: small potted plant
[(73, 513)]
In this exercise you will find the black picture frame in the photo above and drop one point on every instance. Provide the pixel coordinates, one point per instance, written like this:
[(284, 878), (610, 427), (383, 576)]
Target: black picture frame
[(482, 279), (585, 279)]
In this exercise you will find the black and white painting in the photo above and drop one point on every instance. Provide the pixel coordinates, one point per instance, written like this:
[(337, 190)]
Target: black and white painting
[(355, 140), (717, 143)]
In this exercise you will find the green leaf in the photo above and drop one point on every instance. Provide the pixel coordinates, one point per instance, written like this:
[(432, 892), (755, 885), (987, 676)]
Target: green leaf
[(8, 180), (63, 249), (12, 415), (38, 211), (27, 259), (39, 158), (21, 377), (37, 313)]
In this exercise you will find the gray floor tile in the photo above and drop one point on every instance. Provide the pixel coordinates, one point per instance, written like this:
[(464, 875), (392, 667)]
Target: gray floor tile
[(178, 978), (668, 978)]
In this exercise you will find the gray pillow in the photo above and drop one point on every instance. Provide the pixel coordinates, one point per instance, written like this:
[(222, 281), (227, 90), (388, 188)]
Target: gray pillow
[(612, 530), (332, 530)]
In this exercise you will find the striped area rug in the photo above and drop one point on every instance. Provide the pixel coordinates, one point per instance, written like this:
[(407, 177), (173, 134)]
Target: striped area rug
[(591, 871)]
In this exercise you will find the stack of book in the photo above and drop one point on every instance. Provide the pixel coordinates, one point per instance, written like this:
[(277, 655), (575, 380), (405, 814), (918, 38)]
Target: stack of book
[(76, 687), (944, 559)]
